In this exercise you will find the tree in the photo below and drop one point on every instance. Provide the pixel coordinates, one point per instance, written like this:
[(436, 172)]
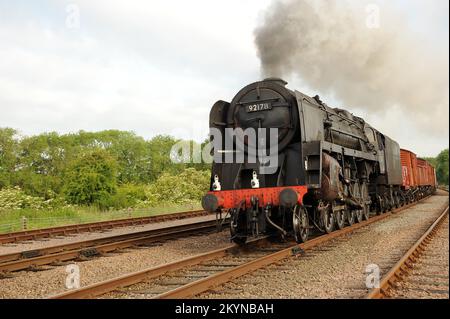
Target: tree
[(8, 155), (91, 179), (51, 166), (442, 167), (41, 161), (160, 148), (133, 157), (131, 152)]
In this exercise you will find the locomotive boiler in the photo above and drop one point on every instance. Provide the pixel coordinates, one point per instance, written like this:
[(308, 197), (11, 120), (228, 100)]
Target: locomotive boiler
[(330, 168)]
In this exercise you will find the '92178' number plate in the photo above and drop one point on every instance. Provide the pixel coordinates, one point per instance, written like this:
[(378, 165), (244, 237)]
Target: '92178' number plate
[(258, 107)]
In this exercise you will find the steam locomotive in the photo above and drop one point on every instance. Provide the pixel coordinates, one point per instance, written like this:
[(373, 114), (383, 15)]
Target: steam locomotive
[(331, 168)]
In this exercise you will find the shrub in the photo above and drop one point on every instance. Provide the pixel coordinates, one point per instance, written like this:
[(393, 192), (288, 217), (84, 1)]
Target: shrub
[(186, 187), (91, 180), (128, 195), (15, 198)]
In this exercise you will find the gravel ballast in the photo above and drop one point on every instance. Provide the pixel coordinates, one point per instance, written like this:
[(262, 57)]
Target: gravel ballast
[(338, 269), (52, 281), (333, 270), (428, 277), (60, 240)]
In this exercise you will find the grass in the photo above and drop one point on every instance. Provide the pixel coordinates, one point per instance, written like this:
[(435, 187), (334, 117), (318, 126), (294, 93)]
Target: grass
[(12, 220)]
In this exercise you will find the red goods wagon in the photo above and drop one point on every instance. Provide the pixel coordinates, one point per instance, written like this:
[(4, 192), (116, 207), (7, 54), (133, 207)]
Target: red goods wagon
[(427, 174), (435, 184), (431, 175), (418, 176), (407, 169), (415, 171), (422, 167)]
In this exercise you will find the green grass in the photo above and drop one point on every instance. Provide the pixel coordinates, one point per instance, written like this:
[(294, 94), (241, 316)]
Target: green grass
[(12, 220)]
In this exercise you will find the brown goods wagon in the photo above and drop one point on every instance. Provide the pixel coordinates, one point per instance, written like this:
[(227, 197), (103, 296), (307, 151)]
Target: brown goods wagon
[(435, 184), (422, 170), (431, 177), (407, 169), (428, 180), (415, 171)]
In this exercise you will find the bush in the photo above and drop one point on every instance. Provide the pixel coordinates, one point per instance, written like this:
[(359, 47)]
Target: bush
[(15, 198), (127, 195), (91, 180), (98, 188), (187, 187)]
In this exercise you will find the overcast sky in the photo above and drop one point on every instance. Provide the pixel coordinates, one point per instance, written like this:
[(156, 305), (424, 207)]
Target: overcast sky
[(152, 67)]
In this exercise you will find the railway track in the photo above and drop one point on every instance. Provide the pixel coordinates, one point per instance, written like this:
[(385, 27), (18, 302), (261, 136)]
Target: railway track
[(55, 255), (95, 226), (197, 274), (339, 268), (418, 265)]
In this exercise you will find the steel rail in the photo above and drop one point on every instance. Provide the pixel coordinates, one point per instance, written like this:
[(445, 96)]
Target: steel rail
[(136, 277), (94, 226), (206, 283), (400, 269), (93, 247)]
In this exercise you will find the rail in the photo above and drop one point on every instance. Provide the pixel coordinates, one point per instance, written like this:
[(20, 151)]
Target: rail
[(401, 268), (33, 259), (94, 226), (210, 280)]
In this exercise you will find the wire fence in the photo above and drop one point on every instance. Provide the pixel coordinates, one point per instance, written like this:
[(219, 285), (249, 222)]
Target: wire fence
[(28, 223), (6, 228), (25, 223)]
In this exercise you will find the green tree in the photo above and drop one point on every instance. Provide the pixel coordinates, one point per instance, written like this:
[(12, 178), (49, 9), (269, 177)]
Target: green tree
[(133, 157), (8, 155), (41, 162), (160, 148), (442, 167), (91, 179)]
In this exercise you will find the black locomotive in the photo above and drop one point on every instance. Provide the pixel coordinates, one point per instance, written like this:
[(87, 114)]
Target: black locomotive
[(332, 168)]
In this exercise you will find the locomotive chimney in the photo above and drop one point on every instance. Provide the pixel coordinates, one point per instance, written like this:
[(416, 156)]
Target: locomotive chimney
[(277, 80)]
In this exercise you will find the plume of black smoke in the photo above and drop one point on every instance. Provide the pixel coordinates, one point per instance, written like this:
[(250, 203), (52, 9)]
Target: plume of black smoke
[(329, 45)]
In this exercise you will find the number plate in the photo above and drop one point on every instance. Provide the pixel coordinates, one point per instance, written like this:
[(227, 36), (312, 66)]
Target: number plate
[(258, 107)]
